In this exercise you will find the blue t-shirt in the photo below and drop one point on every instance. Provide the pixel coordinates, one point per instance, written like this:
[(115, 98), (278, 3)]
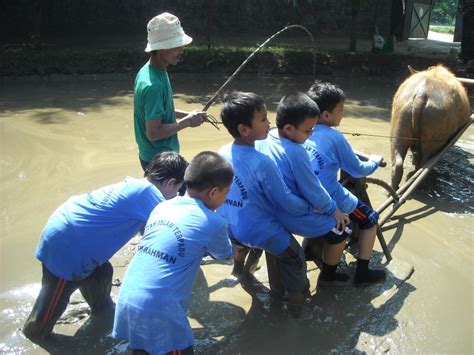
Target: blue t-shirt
[(329, 151), (294, 164), (255, 196), (152, 302), (89, 229)]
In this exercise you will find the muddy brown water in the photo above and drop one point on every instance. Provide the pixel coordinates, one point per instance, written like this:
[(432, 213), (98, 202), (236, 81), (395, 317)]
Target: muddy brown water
[(67, 135)]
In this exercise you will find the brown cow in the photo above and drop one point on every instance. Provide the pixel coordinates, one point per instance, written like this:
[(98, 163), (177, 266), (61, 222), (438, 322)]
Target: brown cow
[(427, 109)]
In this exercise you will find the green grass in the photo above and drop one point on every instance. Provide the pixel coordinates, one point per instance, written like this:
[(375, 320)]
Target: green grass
[(443, 29)]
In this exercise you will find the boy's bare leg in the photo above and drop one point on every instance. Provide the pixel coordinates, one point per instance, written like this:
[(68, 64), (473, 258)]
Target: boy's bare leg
[(366, 242), (364, 276), (332, 253)]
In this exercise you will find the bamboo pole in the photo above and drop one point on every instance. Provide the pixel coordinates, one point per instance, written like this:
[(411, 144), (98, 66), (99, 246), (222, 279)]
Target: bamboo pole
[(422, 174), (365, 197), (466, 81), (244, 63)]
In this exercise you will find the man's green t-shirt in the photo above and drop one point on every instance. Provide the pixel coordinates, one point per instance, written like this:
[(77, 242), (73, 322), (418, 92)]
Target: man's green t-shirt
[(153, 97)]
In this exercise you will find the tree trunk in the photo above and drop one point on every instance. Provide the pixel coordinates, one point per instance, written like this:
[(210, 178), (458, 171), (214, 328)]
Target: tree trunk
[(209, 19), (354, 25), (467, 41), (35, 35), (397, 17)]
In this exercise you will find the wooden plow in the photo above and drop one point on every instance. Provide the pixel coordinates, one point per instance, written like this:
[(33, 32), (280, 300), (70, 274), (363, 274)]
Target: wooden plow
[(359, 188), (399, 197)]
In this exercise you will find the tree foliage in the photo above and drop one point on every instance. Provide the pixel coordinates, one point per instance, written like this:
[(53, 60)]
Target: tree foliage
[(444, 12)]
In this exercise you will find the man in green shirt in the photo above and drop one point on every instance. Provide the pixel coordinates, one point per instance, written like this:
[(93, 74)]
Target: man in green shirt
[(156, 121)]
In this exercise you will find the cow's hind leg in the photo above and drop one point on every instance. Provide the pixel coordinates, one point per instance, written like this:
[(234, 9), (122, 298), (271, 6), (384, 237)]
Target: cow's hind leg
[(427, 151), (398, 156)]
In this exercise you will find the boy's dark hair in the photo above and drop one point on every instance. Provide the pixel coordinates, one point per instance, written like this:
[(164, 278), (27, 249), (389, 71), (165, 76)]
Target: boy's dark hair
[(294, 108), (165, 166), (207, 170), (326, 95), (239, 108)]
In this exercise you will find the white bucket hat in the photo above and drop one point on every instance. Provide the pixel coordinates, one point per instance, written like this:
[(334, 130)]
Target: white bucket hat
[(165, 32)]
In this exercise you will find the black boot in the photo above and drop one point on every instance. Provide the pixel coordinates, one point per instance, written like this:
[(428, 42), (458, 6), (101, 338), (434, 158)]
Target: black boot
[(366, 277), (328, 277)]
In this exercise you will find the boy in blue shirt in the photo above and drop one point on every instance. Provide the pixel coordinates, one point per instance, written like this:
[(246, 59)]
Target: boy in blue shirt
[(296, 116), (329, 151), (258, 191), (87, 230), (153, 298)]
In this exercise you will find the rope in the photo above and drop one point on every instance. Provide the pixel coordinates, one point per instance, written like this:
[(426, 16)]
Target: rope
[(383, 184), (215, 122), (244, 63), (383, 136), (407, 138)]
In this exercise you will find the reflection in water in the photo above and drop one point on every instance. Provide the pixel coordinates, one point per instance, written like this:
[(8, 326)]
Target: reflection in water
[(61, 137), (451, 183)]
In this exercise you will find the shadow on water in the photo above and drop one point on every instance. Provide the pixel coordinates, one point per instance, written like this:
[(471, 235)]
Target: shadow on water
[(58, 344), (219, 320), (92, 337), (52, 97), (369, 102), (339, 317), (271, 88), (448, 187), (399, 221)]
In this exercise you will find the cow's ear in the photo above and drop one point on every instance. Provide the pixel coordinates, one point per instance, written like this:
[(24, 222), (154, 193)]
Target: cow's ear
[(412, 71)]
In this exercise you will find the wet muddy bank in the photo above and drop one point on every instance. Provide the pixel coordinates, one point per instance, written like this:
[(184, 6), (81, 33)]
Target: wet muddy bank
[(22, 60)]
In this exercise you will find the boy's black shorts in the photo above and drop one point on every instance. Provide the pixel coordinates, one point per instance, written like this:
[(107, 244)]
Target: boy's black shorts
[(334, 236), (238, 245), (364, 216)]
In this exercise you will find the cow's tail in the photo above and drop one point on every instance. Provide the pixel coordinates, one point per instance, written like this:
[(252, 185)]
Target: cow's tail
[(419, 103)]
